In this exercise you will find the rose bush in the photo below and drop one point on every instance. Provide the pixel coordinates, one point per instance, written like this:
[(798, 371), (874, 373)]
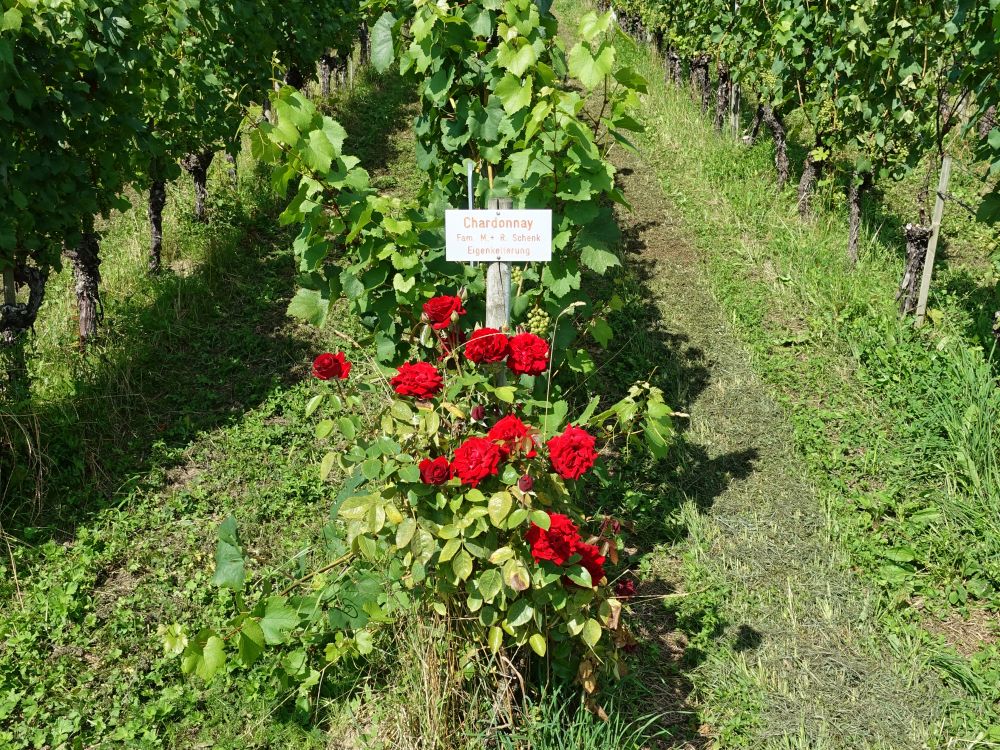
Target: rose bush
[(464, 490)]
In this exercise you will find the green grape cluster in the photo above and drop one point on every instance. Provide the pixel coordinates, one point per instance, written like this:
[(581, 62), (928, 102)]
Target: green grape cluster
[(516, 276), (768, 79), (538, 321), (826, 115)]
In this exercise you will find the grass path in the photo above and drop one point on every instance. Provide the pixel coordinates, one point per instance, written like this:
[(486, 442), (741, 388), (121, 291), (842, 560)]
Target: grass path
[(804, 659), (801, 662)]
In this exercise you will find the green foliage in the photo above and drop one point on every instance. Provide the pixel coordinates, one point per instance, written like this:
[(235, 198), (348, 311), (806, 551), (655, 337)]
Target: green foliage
[(201, 64), (882, 82), (229, 567), (306, 29), (69, 120), (97, 99), (380, 253), (976, 28), (492, 89)]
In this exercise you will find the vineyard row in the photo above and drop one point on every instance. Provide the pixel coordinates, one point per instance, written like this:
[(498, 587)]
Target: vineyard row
[(881, 85), (96, 99)]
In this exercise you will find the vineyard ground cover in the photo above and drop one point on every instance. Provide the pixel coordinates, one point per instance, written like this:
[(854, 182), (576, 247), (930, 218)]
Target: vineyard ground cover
[(767, 636), (176, 417), (844, 603), (966, 271), (106, 418)]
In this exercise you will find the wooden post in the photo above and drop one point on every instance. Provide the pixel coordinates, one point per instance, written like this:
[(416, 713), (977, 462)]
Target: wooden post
[(925, 281), (498, 282), (734, 92)]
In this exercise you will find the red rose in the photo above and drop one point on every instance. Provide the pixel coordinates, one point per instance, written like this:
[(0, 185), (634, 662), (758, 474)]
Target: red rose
[(331, 366), (558, 544), (486, 345), (529, 354), (477, 413), (435, 470), (442, 311), (591, 559), (475, 459), (526, 483), (572, 453), (512, 436), (419, 379), (625, 589)]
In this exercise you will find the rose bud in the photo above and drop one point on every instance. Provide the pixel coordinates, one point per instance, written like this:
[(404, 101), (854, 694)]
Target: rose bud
[(477, 413), (526, 483)]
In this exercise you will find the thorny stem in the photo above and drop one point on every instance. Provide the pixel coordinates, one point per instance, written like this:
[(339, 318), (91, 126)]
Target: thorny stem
[(298, 582), (548, 373), (325, 569), (351, 341)]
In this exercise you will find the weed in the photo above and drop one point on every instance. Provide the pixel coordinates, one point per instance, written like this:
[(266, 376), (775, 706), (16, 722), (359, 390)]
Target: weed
[(558, 721)]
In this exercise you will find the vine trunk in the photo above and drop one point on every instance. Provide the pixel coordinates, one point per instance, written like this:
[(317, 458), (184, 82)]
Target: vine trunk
[(197, 166), (154, 210), (811, 170), (723, 93), (87, 284), (917, 236), (774, 123)]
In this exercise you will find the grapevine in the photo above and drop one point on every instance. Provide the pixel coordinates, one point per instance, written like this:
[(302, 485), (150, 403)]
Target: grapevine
[(880, 83)]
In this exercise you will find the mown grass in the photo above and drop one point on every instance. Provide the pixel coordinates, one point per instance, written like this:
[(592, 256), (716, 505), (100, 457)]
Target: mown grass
[(893, 425)]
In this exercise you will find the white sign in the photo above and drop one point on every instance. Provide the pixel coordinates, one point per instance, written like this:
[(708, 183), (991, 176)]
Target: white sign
[(491, 234)]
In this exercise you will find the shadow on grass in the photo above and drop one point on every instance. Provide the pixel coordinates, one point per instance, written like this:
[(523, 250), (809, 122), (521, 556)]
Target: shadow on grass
[(980, 303), (211, 345), (651, 495), (373, 113)]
